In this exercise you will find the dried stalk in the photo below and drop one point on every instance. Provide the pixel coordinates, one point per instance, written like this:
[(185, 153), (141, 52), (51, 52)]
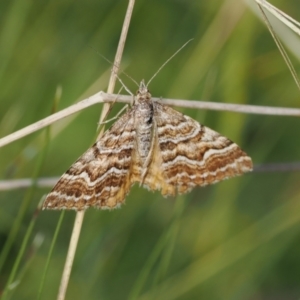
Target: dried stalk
[(280, 15), (102, 97), (7, 185), (280, 46), (80, 214)]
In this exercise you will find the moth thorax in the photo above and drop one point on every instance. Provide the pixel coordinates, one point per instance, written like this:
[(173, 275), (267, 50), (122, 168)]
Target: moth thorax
[(143, 96)]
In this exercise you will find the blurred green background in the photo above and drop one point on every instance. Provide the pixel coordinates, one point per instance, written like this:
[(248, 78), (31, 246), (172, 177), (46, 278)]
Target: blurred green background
[(238, 239)]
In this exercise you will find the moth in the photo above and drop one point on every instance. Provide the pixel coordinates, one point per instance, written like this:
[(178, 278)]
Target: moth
[(153, 145)]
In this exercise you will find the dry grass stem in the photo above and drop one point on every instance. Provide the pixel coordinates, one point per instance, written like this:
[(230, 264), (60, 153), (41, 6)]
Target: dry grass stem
[(277, 167), (70, 256), (281, 16), (103, 97), (6, 185), (80, 214), (118, 57), (280, 47)]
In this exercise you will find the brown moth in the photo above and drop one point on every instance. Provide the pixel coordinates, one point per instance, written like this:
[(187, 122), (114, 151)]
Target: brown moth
[(151, 144)]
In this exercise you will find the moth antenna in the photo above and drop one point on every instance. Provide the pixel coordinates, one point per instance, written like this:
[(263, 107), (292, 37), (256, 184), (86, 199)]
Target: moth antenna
[(123, 85), (123, 72), (109, 109), (168, 61)]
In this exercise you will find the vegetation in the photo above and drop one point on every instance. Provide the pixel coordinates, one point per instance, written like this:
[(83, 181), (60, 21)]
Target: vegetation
[(238, 239)]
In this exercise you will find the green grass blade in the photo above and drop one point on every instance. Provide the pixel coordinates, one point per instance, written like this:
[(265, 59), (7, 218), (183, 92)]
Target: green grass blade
[(168, 238), (58, 226), (174, 228), (13, 273)]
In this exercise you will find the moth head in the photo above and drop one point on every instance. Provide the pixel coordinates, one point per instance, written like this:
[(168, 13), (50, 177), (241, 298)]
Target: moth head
[(143, 92)]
